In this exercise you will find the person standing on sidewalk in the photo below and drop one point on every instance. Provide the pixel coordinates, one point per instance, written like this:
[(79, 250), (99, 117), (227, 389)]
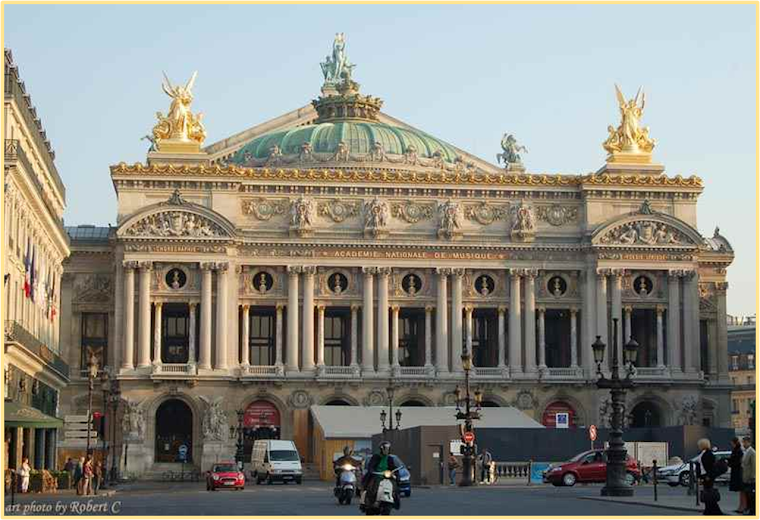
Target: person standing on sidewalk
[(78, 474), (453, 465), (748, 475), (87, 475), (97, 477), (735, 463)]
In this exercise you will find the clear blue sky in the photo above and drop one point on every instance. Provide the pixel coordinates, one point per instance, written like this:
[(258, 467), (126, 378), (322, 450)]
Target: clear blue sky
[(464, 73)]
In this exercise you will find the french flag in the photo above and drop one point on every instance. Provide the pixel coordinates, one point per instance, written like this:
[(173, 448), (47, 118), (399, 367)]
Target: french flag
[(27, 265)]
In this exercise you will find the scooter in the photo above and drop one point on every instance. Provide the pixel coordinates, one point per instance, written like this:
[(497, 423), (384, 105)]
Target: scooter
[(384, 499), (346, 487)]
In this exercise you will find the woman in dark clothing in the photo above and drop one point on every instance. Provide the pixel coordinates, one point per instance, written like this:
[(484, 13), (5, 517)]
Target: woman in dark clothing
[(735, 463), (706, 472)]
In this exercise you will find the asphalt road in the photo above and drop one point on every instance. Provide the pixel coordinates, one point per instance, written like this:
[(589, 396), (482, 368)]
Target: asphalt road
[(315, 499)]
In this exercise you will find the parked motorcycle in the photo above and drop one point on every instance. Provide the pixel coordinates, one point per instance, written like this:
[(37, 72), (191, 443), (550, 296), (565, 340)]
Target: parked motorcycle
[(385, 498), (346, 487)]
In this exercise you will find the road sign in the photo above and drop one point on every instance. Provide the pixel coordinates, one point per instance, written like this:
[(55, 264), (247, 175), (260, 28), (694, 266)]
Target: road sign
[(468, 437), (592, 432), (182, 450)]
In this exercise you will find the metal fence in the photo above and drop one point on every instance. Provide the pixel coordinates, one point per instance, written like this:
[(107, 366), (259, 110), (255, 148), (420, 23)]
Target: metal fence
[(16, 333)]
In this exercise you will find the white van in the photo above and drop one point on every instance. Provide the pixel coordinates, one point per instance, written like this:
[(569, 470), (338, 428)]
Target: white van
[(275, 460)]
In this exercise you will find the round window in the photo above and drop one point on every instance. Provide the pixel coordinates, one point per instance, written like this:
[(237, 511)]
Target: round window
[(557, 286), (484, 285), (176, 278), (643, 285), (411, 284), (338, 283), (262, 281)]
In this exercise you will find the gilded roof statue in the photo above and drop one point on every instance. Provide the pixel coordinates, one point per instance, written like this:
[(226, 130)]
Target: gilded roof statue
[(629, 142), (180, 130)]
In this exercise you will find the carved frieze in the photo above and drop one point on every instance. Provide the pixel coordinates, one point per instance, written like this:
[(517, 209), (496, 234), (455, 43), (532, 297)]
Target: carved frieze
[(523, 222), (95, 288), (376, 217), (644, 232), (264, 209), (557, 215), (412, 212), (338, 210), (450, 219), (302, 216), (485, 213), (177, 223)]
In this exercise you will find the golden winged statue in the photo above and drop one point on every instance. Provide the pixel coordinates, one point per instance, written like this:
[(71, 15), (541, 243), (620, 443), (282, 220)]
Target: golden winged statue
[(629, 137), (180, 125)]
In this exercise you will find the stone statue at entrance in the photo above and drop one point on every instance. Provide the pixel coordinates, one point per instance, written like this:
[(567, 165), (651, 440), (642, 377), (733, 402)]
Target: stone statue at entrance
[(133, 422), (215, 419)]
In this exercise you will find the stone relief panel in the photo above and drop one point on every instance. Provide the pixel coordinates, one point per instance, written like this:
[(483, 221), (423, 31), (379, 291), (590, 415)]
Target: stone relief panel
[(645, 232), (450, 220), (174, 278), (303, 214), (523, 222), (339, 210), (557, 214), (486, 213), (176, 223), (410, 283), (93, 288), (259, 281), (484, 284), (264, 208), (334, 282), (412, 212)]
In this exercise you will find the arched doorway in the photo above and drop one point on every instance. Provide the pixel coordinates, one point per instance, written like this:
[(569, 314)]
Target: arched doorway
[(261, 421), (174, 428), (337, 402), (559, 414), (646, 415), (490, 404), (413, 402)]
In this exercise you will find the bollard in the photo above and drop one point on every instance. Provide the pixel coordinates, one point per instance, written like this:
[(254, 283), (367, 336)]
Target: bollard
[(654, 478), (690, 489), (696, 484), (530, 470)]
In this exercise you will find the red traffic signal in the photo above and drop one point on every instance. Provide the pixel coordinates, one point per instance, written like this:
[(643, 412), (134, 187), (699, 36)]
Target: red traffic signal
[(468, 437), (97, 415)]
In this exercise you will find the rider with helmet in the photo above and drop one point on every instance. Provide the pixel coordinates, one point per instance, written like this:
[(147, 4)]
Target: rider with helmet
[(380, 462), (347, 458)]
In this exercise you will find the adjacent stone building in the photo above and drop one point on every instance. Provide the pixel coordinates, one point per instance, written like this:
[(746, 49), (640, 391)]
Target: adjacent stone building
[(741, 367), (34, 247), (314, 257)]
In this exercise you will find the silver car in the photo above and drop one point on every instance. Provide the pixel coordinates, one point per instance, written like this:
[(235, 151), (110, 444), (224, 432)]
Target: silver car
[(678, 474)]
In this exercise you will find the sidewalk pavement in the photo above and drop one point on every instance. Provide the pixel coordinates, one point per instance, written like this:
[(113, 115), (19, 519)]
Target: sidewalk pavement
[(729, 501)]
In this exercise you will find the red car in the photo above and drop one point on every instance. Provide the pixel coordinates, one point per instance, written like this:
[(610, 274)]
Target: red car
[(589, 466), (224, 475)]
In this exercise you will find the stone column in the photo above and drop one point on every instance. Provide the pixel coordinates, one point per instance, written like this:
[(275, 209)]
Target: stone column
[(660, 338), (573, 337), (191, 336), (128, 356), (690, 329), (354, 335), (278, 336), (515, 332), (320, 336), (245, 337), (394, 328), (429, 337), (530, 320), (292, 341), (441, 322), (502, 337), (204, 359), (695, 330), (721, 288), (221, 316), (602, 317), (50, 449), (382, 319), (157, 308), (143, 352), (542, 338), (307, 342), (368, 328), (118, 314), (38, 458), (468, 309), (456, 319), (627, 314), (588, 323), (617, 309), (674, 322)]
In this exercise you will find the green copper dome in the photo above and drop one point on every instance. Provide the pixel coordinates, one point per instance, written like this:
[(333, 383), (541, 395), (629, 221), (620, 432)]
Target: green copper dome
[(361, 138)]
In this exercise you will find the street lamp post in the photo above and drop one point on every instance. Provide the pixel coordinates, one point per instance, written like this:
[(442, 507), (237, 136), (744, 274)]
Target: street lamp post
[(114, 400), (616, 484), (383, 415), (471, 413), (237, 431), (92, 374), (105, 384)]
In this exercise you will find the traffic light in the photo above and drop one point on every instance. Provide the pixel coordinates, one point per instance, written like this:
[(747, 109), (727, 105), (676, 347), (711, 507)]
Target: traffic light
[(98, 423)]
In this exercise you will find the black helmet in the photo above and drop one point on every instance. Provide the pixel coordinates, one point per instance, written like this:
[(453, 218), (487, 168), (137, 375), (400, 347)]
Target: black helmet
[(385, 448)]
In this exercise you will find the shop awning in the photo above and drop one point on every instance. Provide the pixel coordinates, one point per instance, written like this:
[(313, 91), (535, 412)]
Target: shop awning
[(15, 414)]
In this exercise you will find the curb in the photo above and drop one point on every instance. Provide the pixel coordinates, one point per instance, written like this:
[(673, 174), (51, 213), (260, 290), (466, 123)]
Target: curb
[(642, 503)]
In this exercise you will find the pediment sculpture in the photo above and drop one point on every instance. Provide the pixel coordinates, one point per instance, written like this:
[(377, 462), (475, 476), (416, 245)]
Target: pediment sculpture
[(644, 232), (176, 223)]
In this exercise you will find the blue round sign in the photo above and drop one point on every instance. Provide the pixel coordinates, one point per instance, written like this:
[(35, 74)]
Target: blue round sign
[(182, 451)]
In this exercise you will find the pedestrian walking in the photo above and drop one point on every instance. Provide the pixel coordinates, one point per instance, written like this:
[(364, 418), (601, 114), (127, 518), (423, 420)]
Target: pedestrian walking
[(25, 471), (748, 476), (710, 498), (78, 474), (97, 477), (453, 466), (69, 466), (706, 460), (736, 483), (88, 473), (485, 466)]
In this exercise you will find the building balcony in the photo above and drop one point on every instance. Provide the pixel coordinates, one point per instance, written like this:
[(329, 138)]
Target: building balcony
[(15, 333)]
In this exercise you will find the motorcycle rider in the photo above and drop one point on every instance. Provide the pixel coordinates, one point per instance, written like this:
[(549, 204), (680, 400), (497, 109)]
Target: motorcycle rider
[(380, 462), (347, 458)]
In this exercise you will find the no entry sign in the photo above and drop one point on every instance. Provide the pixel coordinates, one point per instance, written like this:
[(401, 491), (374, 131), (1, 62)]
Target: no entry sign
[(468, 437), (592, 432)]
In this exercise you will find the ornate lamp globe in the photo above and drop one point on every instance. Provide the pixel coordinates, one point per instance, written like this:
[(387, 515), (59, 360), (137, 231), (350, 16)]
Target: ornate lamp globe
[(598, 347), (631, 351), (383, 416), (398, 418)]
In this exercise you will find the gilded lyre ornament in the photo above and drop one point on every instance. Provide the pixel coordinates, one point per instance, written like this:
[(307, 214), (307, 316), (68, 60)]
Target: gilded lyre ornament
[(629, 141), (180, 130)]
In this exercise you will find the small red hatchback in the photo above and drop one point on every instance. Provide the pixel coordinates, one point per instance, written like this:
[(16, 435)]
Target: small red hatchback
[(589, 466), (224, 475)]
